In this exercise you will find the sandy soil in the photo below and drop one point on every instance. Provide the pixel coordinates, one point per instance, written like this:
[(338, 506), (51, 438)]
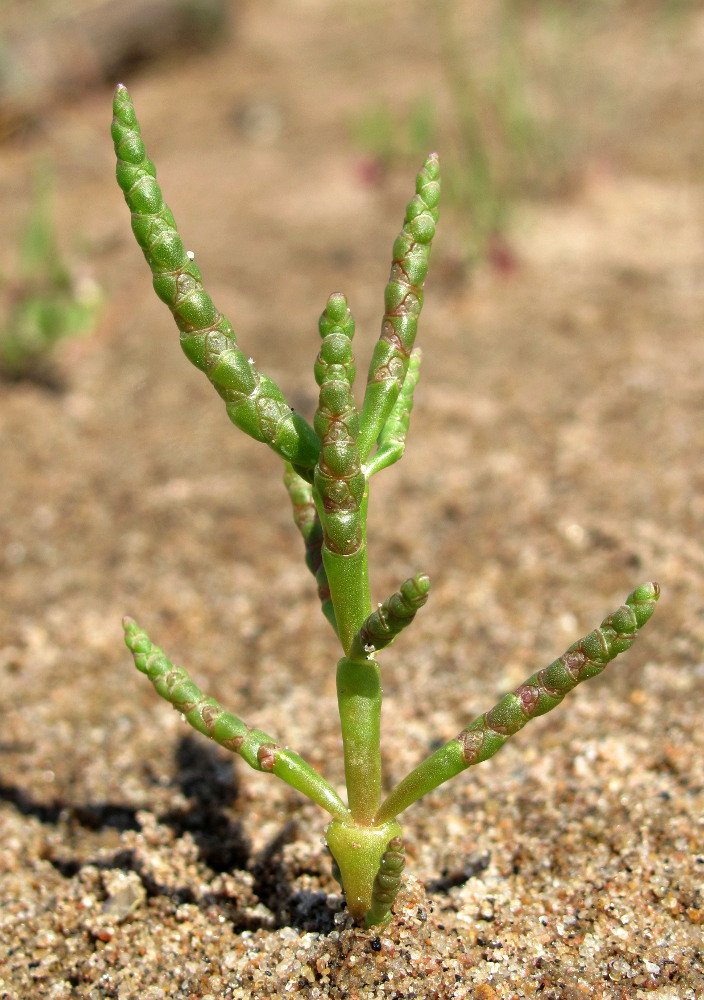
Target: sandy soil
[(554, 463)]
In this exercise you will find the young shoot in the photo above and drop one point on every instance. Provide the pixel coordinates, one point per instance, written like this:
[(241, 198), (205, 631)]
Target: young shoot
[(327, 470)]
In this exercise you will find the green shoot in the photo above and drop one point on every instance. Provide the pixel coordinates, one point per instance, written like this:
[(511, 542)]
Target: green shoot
[(328, 466)]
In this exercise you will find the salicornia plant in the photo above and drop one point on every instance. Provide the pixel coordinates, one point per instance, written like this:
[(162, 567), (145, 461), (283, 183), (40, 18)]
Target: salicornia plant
[(328, 467)]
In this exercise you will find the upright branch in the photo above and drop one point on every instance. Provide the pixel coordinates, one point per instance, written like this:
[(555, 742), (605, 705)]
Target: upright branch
[(339, 488), (403, 301), (391, 442), (339, 484), (253, 402)]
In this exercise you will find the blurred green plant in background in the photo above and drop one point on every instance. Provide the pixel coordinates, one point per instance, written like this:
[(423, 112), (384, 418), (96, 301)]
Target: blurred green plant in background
[(496, 134), (521, 102), (45, 302), (497, 140), (389, 138)]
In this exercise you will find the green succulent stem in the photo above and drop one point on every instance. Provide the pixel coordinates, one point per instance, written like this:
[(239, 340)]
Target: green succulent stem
[(386, 884), (206, 715), (339, 482), (359, 702), (358, 852), (305, 516), (348, 579), (403, 301), (359, 695), (539, 694), (391, 443), (253, 402), (327, 469), (395, 614)]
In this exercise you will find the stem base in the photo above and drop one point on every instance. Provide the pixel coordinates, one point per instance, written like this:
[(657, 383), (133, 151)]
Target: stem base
[(357, 851)]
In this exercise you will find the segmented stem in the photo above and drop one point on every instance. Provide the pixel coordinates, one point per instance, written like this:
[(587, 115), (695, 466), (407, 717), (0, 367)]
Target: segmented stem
[(403, 300), (206, 715), (253, 402), (386, 884), (392, 439), (395, 614), (339, 484), (536, 696), (305, 516), (358, 851), (339, 480)]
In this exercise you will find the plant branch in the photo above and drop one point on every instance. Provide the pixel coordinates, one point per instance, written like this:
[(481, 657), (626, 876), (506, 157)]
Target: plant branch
[(386, 884), (308, 523), (536, 696), (339, 484), (396, 613), (253, 402), (206, 715), (392, 438), (403, 301)]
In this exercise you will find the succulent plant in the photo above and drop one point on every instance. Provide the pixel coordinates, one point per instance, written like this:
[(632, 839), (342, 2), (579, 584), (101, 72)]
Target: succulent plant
[(327, 470)]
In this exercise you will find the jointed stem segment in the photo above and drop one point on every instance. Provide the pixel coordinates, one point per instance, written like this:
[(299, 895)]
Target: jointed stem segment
[(308, 523), (359, 703), (254, 403), (359, 855), (339, 483), (542, 692), (206, 715), (403, 300), (392, 438), (396, 613)]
